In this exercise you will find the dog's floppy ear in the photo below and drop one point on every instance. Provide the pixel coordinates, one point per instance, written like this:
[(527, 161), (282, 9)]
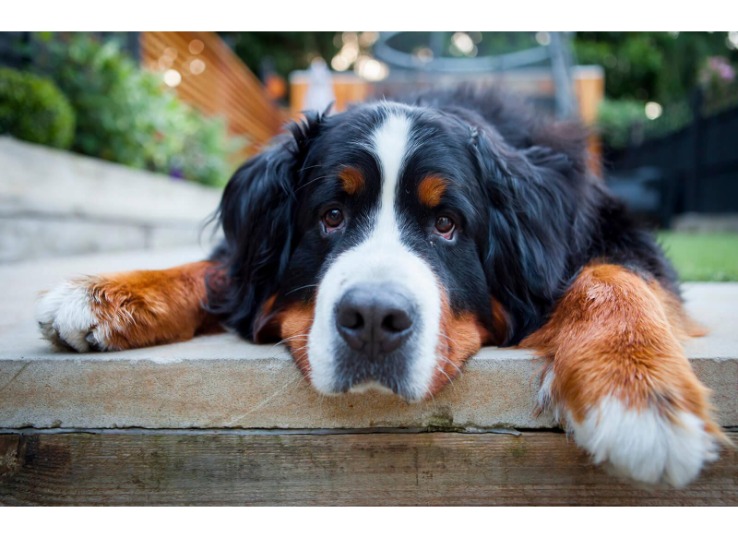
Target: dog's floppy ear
[(257, 215), (531, 196)]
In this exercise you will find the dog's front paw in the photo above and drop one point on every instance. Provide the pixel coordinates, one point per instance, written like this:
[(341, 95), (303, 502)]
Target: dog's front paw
[(650, 444), (67, 318)]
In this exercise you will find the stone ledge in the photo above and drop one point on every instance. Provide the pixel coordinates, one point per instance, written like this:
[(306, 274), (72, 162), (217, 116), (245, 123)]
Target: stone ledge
[(38, 179), (223, 382), (56, 202)]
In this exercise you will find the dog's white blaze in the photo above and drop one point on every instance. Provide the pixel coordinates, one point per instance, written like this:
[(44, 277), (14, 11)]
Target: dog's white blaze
[(390, 148), (379, 260)]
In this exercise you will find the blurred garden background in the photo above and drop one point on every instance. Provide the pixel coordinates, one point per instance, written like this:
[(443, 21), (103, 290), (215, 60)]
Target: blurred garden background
[(178, 111)]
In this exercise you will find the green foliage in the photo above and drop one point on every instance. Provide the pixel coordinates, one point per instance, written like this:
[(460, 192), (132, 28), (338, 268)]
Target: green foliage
[(650, 66), (623, 121), (674, 117), (618, 119), (32, 108), (286, 51), (656, 66), (127, 115), (719, 83), (205, 151)]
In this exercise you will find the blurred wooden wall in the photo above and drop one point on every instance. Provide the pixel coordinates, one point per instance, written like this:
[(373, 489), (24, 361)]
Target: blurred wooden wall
[(589, 89), (215, 81), (347, 87)]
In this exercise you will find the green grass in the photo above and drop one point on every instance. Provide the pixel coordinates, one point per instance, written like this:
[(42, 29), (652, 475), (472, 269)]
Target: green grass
[(702, 256)]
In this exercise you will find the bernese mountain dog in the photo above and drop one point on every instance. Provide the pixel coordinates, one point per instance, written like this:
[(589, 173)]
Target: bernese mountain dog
[(386, 244)]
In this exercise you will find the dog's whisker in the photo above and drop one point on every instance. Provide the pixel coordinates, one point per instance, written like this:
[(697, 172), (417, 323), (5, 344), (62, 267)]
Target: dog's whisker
[(446, 360), (443, 370), (442, 335), (288, 339), (302, 288), (297, 350), (450, 380), (311, 182)]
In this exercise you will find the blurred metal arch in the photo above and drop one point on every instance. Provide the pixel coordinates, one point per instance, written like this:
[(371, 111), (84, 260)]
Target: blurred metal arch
[(383, 51), (557, 53)]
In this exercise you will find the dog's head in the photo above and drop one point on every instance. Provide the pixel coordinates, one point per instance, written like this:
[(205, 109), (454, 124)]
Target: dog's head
[(386, 244)]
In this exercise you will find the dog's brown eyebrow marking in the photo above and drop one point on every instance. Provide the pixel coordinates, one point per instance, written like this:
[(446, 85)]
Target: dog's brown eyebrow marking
[(431, 189), (352, 180)]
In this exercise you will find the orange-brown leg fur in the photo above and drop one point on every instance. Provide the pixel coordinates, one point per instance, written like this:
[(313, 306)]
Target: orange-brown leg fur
[(618, 378), (128, 310)]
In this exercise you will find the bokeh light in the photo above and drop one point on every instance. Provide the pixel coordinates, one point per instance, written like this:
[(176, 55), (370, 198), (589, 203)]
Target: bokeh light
[(732, 41), (653, 110), (340, 63), (424, 54), (463, 43), (349, 52), (172, 78), (197, 66), (371, 69), (367, 39), (196, 46)]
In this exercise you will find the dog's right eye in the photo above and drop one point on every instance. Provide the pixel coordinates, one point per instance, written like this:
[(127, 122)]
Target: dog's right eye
[(445, 227), (333, 219)]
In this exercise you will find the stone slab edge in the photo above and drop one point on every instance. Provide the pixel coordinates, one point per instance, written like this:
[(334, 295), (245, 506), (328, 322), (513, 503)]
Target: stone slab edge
[(497, 389)]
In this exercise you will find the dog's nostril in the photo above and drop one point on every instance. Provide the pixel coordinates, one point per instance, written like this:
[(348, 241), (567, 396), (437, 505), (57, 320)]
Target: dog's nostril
[(374, 320), (350, 318), (397, 321)]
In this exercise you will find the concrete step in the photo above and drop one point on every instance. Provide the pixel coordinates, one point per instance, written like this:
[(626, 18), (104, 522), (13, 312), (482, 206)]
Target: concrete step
[(56, 203), (224, 382)]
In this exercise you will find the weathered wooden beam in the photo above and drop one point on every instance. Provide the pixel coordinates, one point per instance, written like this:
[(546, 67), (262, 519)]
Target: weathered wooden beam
[(157, 468)]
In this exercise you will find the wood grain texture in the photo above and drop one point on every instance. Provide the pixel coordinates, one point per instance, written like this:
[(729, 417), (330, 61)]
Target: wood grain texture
[(540, 468), (225, 88)]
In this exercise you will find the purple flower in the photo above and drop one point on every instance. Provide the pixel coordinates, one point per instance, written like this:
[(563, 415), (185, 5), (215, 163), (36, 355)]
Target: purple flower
[(720, 67)]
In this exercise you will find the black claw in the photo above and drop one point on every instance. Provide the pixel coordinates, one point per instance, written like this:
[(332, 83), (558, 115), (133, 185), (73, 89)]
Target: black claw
[(94, 344)]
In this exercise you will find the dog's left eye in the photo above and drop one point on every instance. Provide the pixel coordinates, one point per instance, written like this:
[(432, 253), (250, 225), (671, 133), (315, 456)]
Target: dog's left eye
[(445, 226), (332, 219)]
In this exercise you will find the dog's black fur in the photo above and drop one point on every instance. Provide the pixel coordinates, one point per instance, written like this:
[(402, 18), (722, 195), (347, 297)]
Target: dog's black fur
[(533, 215)]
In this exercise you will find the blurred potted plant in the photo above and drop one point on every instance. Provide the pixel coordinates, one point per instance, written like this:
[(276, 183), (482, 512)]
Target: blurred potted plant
[(32, 108), (127, 115)]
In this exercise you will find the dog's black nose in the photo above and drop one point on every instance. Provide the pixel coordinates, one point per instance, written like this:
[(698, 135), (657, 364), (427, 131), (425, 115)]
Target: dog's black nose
[(374, 320)]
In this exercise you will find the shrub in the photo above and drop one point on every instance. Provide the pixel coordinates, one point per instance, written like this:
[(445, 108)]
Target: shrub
[(127, 115), (718, 82), (623, 121), (617, 120), (206, 150), (32, 108)]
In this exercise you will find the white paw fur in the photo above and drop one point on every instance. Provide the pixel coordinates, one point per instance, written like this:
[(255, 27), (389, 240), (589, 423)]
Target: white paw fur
[(66, 318), (641, 444), (645, 445)]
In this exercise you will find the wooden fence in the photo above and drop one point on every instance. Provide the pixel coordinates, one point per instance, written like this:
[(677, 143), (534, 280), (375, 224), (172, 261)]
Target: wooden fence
[(210, 77)]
